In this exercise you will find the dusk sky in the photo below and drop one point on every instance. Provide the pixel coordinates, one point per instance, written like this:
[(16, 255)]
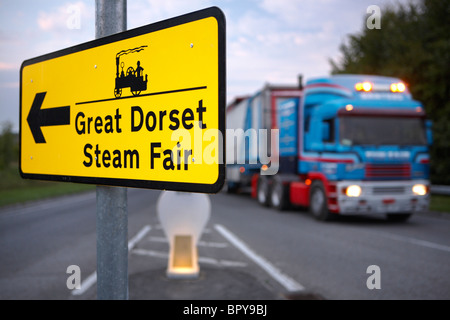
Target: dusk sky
[(267, 40)]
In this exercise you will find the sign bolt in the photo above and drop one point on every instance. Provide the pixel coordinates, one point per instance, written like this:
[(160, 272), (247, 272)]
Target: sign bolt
[(193, 159), (192, 45), (95, 66)]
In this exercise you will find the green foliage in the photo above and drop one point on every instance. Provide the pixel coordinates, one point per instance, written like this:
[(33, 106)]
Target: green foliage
[(413, 44), (13, 188), (8, 145), (440, 203)]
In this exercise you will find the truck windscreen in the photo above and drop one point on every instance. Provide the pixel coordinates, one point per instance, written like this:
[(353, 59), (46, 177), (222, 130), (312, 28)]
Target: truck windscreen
[(364, 130)]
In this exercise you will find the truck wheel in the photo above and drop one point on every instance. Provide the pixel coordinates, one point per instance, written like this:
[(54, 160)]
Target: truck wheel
[(318, 202), (398, 217), (279, 195), (262, 191), (232, 187)]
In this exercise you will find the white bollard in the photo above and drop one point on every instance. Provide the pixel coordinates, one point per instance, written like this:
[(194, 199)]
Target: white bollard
[(183, 216)]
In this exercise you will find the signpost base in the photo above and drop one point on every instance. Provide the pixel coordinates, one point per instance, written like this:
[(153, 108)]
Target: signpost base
[(183, 217)]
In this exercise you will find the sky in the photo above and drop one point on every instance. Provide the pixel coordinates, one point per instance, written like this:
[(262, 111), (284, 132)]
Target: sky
[(268, 41)]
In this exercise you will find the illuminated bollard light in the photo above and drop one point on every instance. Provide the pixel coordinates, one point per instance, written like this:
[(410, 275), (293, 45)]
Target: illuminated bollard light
[(183, 216)]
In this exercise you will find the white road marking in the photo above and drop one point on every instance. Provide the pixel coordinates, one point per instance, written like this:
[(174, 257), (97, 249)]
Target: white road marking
[(86, 284), (287, 282), (138, 237), (418, 242), (227, 263), (159, 227), (200, 243), (222, 263), (92, 279), (151, 253), (205, 260)]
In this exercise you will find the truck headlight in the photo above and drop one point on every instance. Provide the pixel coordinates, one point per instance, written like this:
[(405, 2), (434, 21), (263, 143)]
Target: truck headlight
[(352, 191), (420, 189)]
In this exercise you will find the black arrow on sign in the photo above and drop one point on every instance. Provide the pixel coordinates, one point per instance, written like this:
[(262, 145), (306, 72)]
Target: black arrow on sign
[(38, 117)]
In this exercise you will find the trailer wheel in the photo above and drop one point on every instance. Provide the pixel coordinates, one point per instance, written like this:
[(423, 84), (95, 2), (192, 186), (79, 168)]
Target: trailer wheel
[(279, 195), (262, 191), (318, 202), (117, 92)]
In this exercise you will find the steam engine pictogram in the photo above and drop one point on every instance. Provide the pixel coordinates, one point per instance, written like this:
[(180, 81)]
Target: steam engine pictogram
[(131, 78)]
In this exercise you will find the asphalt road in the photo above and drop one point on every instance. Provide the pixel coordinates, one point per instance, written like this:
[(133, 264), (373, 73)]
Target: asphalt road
[(245, 252)]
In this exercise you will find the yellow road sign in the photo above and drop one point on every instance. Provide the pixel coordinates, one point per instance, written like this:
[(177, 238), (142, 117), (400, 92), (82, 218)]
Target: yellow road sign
[(143, 108)]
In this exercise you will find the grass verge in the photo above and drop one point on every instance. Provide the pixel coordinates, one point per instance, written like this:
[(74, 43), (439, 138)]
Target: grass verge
[(14, 189), (440, 203)]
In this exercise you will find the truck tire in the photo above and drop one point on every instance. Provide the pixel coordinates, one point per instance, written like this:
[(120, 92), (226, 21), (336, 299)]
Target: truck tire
[(262, 191), (279, 194), (232, 188), (402, 217), (318, 203)]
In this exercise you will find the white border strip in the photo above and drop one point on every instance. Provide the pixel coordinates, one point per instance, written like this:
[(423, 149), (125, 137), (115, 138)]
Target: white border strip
[(92, 279), (290, 284)]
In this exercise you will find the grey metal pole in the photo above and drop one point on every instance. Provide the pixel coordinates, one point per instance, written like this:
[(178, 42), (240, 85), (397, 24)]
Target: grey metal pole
[(112, 207), (110, 17)]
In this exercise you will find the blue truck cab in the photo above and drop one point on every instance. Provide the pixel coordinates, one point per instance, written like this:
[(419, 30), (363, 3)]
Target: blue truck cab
[(368, 142)]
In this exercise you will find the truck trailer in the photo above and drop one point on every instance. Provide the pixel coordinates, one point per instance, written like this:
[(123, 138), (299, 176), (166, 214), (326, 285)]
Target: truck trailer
[(344, 145)]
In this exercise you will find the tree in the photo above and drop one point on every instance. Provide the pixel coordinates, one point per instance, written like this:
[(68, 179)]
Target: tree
[(413, 44), (7, 145)]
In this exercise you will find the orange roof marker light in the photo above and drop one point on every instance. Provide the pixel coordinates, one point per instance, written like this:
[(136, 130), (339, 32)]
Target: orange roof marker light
[(367, 86), (364, 86), (398, 87)]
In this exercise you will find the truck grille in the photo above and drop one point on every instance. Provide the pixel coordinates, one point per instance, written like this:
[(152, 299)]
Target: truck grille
[(388, 190), (388, 171)]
